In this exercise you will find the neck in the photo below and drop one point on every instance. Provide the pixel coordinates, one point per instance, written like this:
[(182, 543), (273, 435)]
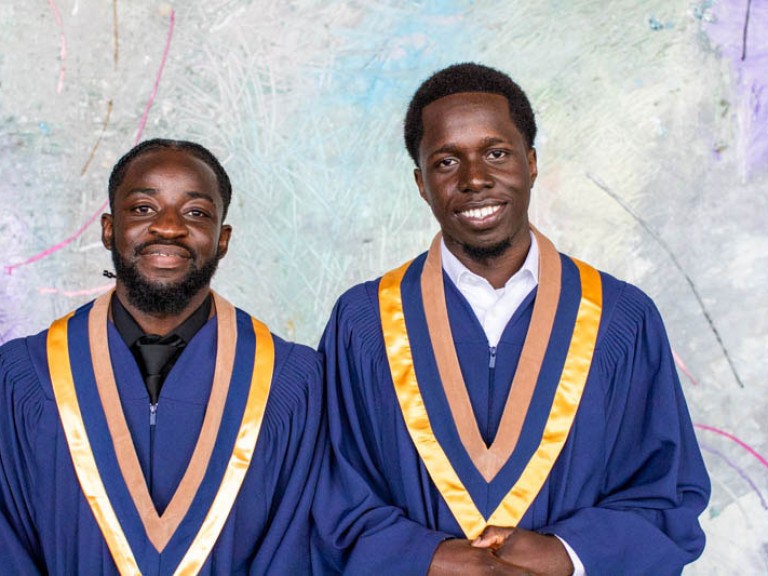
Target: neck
[(160, 323), (497, 269)]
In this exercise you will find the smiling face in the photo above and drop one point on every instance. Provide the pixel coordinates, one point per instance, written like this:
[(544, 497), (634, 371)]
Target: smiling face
[(166, 233), (476, 173)]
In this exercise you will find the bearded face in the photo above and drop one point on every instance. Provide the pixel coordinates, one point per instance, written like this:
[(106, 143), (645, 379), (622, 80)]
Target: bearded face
[(157, 297)]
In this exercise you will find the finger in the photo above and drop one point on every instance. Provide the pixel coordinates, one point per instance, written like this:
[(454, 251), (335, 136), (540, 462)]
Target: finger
[(493, 541), (492, 537)]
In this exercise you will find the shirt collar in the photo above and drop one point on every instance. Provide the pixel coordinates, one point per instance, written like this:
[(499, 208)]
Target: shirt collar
[(130, 330), (457, 271)]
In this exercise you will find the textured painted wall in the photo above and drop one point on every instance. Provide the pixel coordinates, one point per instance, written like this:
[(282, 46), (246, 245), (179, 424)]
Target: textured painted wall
[(653, 151)]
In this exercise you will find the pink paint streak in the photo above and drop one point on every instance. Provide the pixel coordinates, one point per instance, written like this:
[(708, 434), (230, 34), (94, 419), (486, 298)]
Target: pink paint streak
[(48, 251), (75, 293), (63, 45), (741, 443), (684, 368), (157, 80), (55, 248)]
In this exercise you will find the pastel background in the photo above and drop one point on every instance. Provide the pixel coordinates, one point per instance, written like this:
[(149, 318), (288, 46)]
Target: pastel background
[(653, 156)]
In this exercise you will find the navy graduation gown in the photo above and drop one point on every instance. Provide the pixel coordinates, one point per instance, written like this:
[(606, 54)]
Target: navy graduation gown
[(625, 492), (47, 527)]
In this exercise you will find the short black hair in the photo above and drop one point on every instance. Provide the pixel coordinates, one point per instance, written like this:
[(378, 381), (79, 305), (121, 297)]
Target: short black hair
[(196, 150), (467, 77)]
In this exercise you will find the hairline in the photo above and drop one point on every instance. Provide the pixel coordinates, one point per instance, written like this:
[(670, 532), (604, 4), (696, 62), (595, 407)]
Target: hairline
[(467, 78), (198, 151)]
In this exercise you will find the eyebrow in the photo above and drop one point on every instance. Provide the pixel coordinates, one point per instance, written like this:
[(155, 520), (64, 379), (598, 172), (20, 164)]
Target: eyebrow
[(153, 192)]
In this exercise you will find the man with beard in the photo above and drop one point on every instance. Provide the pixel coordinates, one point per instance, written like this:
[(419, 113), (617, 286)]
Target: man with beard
[(496, 407), (158, 429)]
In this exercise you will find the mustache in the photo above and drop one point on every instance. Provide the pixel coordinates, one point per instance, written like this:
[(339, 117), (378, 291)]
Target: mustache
[(141, 247)]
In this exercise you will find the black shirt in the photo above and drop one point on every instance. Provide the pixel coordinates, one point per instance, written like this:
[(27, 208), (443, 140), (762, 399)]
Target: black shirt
[(156, 354)]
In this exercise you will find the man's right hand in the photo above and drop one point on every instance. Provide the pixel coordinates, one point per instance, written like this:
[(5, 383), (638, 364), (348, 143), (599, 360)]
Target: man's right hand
[(458, 557)]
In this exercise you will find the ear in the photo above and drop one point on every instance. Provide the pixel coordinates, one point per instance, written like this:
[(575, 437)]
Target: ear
[(419, 177), (106, 231), (533, 168), (224, 235)]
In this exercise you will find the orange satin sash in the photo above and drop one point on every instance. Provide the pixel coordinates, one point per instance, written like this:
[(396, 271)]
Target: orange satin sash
[(84, 461), (562, 413)]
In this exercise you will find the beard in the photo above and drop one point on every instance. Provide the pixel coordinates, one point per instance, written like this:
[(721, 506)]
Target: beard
[(485, 253), (157, 297)]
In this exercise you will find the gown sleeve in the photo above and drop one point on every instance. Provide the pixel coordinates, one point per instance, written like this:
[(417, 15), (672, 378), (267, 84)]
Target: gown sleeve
[(294, 431), (654, 483), (361, 531), (21, 405)]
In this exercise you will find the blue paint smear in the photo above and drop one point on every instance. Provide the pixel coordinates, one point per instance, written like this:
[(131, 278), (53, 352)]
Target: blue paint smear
[(702, 10), (392, 50), (655, 24)]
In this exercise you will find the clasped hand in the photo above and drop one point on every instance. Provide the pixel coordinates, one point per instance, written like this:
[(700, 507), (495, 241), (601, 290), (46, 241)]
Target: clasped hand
[(502, 551)]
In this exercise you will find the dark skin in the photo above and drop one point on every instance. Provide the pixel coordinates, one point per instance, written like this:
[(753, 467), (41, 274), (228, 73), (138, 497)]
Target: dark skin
[(507, 551), (460, 558), (535, 553), (476, 173), (168, 202)]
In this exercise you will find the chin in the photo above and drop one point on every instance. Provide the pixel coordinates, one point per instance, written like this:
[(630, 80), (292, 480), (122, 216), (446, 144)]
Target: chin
[(170, 295), (487, 251)]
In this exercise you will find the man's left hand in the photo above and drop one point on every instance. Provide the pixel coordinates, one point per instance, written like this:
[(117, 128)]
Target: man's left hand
[(542, 555)]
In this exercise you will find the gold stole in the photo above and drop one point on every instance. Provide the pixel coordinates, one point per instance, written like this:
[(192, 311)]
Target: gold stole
[(489, 461), (159, 529)]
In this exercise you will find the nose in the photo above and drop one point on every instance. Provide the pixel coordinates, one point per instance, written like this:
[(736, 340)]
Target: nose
[(168, 224), (474, 175)]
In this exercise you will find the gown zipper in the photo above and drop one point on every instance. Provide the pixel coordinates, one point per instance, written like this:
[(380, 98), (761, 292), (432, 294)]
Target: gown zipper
[(492, 369), (152, 422)]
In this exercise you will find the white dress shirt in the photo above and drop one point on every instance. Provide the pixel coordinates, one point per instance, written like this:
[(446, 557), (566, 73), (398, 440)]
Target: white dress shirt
[(494, 309)]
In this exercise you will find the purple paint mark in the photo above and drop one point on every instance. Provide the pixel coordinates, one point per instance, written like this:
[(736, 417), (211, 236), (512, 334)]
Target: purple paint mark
[(741, 472), (738, 441), (55, 248), (63, 45), (734, 30)]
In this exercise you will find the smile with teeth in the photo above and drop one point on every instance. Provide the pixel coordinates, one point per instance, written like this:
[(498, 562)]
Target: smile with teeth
[(481, 213), (165, 250), (161, 253)]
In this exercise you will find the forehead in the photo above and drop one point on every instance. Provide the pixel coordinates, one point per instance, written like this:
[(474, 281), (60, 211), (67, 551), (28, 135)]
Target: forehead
[(166, 168), (466, 110)]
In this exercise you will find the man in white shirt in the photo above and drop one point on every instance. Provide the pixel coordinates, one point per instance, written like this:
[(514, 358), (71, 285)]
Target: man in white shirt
[(497, 407)]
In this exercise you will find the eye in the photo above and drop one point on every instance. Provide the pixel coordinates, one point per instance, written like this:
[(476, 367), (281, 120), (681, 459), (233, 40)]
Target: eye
[(142, 209), (497, 154), (445, 162), (198, 213)]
